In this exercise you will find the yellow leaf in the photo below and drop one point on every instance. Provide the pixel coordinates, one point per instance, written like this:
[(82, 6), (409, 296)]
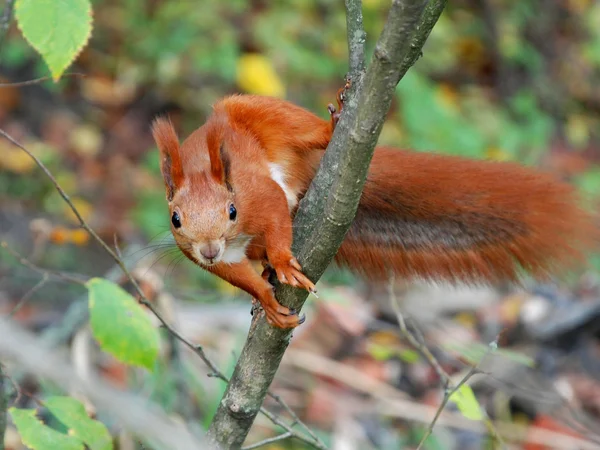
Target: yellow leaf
[(16, 160), (497, 154), (466, 319), (577, 130), (80, 237), (86, 140), (256, 75), (448, 96)]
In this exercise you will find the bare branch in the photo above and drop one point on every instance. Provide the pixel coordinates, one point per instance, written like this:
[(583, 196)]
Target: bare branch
[(392, 402), (25, 298), (449, 390), (420, 347), (356, 38), (71, 278), (313, 440), (432, 13), (3, 406), (281, 437), (38, 80)]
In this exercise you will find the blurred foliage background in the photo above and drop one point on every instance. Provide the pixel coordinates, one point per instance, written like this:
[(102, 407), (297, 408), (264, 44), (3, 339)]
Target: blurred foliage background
[(498, 79)]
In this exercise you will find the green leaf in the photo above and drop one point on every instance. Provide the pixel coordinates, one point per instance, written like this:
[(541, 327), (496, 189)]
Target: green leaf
[(72, 414), (120, 325), (57, 29), (38, 436), (381, 352), (467, 403)]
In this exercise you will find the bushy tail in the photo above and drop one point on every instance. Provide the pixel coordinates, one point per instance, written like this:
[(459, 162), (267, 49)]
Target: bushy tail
[(446, 218)]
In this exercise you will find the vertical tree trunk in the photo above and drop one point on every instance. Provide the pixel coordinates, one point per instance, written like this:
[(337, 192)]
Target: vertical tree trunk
[(327, 210)]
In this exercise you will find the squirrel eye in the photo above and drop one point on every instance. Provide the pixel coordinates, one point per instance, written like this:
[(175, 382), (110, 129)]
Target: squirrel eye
[(175, 220), (232, 212)]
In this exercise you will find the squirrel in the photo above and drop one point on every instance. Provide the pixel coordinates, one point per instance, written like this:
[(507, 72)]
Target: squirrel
[(234, 184)]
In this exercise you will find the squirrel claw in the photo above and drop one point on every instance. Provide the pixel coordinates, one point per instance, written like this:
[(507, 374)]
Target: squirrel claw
[(282, 317), (340, 98), (290, 272), (302, 319)]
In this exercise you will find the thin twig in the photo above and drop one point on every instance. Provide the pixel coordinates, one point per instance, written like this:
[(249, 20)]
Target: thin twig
[(44, 272), (281, 437), (316, 442), (446, 380), (198, 350), (295, 419), (38, 80), (3, 406), (393, 403), (82, 222), (117, 248), (25, 298), (423, 349), (447, 394)]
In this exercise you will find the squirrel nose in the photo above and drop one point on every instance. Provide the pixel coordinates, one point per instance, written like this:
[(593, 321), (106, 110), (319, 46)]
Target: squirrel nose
[(210, 250)]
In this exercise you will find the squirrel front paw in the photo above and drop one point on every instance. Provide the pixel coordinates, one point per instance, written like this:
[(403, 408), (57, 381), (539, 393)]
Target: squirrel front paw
[(289, 271), (283, 317), (276, 314)]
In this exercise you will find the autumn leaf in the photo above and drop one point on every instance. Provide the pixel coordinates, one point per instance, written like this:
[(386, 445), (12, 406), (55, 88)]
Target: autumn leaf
[(256, 75)]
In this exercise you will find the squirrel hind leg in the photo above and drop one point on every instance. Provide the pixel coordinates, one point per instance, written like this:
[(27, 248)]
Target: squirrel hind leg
[(340, 98)]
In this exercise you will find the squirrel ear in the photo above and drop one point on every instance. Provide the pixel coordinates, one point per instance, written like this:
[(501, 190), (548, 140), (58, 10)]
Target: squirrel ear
[(219, 160), (170, 160)]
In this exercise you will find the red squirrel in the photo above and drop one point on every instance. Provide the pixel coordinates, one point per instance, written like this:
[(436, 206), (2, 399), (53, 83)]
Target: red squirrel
[(234, 184)]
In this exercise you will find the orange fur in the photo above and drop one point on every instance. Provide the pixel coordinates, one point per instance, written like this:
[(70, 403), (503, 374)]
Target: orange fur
[(170, 161), (421, 215), (447, 218)]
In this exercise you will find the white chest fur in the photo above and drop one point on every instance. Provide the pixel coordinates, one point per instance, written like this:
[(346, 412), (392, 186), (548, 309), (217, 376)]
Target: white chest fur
[(236, 250), (278, 176)]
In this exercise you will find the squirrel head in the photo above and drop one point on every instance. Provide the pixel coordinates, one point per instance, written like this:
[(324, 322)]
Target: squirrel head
[(204, 219)]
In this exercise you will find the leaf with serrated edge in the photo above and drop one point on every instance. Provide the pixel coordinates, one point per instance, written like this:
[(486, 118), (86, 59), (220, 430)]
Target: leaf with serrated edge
[(72, 414), (120, 325), (38, 436), (57, 29)]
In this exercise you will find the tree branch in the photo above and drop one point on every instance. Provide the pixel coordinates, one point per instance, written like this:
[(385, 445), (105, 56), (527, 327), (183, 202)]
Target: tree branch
[(39, 80), (432, 13), (327, 210), (3, 406), (356, 38), (449, 388)]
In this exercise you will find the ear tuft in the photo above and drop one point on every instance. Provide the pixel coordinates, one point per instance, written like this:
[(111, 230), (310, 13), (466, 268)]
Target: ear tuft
[(167, 141), (219, 161)]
